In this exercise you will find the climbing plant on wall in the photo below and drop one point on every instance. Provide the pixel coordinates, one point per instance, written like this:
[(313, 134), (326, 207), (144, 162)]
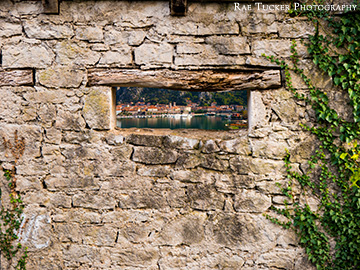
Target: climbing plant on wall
[(11, 211), (334, 170)]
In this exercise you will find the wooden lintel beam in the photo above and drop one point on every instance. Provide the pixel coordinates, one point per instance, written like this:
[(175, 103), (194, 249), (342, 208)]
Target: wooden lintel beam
[(16, 77), (206, 80), (178, 7), (51, 6)]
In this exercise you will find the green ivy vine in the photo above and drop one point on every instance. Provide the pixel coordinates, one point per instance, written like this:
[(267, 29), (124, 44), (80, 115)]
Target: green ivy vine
[(334, 170), (11, 211)]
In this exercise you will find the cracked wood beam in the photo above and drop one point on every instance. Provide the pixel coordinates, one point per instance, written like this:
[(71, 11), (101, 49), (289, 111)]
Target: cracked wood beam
[(178, 7), (207, 80), (16, 77), (51, 6)]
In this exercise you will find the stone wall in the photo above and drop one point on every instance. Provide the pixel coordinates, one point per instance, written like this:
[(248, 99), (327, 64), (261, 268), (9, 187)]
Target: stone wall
[(103, 198)]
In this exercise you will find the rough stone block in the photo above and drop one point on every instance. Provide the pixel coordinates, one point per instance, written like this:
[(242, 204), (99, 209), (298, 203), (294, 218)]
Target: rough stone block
[(118, 59), (209, 147), (75, 53), (69, 121), (27, 55), (213, 163), (154, 54), (185, 230), (93, 201), (205, 197), (229, 45), (61, 76), (294, 28), (178, 142), (8, 29), (152, 155), (89, 33), (145, 140), (236, 146), (39, 29), (251, 201), (96, 111)]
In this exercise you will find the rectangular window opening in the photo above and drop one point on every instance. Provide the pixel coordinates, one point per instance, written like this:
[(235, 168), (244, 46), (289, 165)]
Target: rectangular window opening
[(158, 108)]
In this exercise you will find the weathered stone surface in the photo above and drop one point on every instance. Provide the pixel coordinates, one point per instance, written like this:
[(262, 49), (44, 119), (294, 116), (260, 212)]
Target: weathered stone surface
[(178, 142), (269, 148), (213, 163), (296, 29), (244, 165), (199, 28), (118, 58), (229, 45), (16, 77), (46, 30), (32, 139), (8, 29), (244, 231), (27, 55), (186, 230), (158, 171), (210, 146), (249, 201), (279, 258), (69, 121), (93, 201), (135, 257), (61, 76), (205, 197), (92, 34), (145, 140), (237, 146), (154, 54), (75, 53), (96, 110), (152, 155)]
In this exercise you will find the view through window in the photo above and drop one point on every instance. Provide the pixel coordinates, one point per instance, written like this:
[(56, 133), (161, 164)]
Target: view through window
[(143, 107)]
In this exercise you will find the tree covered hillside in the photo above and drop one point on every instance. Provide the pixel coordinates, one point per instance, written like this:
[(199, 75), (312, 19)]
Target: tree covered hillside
[(163, 96)]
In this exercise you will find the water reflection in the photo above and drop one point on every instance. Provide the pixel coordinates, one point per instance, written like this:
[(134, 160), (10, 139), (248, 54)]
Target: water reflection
[(195, 122)]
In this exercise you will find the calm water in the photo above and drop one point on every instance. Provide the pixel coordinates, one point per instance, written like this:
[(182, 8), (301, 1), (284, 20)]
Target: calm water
[(198, 122)]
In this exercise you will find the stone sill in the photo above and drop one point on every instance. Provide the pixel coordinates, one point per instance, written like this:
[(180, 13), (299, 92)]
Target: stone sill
[(186, 133)]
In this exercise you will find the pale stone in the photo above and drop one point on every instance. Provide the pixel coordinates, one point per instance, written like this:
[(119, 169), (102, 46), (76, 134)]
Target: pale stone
[(90, 33), (279, 48), (75, 53), (46, 96), (229, 45), (154, 54), (186, 230), (239, 146), (122, 58), (96, 111), (135, 257), (250, 201), (32, 136), (69, 121), (200, 28), (98, 235), (61, 77), (296, 29), (278, 258), (8, 29), (243, 231), (25, 55), (46, 30), (207, 56), (158, 171), (262, 28), (269, 148), (93, 201), (178, 142)]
